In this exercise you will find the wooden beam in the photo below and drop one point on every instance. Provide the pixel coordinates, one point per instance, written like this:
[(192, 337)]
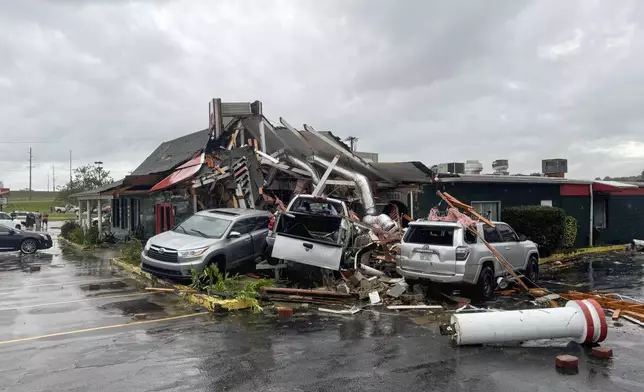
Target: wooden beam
[(320, 186)]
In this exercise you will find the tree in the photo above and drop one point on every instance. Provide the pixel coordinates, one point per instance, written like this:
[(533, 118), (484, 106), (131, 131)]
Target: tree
[(85, 178)]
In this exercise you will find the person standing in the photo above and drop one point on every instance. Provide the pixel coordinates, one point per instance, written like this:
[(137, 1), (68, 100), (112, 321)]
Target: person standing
[(30, 220), (45, 220), (38, 219)]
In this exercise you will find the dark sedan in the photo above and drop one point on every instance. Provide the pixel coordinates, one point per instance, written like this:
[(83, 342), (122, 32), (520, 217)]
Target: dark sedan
[(12, 239)]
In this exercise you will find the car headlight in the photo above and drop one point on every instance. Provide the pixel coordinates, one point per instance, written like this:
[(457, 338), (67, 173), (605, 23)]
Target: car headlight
[(192, 252)]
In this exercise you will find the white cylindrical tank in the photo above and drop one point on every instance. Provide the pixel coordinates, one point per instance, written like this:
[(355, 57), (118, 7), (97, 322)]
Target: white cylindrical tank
[(582, 321)]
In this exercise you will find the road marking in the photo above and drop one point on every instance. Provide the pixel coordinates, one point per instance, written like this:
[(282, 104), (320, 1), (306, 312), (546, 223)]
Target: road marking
[(63, 283), (77, 300), (51, 335)]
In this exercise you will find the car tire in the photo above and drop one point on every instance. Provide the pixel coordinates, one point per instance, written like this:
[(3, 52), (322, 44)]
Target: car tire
[(485, 285), (18, 227), (28, 246), (532, 271)]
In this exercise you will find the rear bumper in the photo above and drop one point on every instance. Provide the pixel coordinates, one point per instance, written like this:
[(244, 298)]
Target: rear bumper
[(438, 278)]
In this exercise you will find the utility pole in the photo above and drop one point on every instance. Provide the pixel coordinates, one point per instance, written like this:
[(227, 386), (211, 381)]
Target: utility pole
[(53, 178), (353, 142), (47, 181), (30, 167), (70, 169)]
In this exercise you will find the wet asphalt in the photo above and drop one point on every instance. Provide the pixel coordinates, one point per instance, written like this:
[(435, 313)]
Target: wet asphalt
[(76, 295)]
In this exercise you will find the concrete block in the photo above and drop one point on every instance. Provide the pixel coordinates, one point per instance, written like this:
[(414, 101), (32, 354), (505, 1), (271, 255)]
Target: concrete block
[(398, 289), (369, 283), (374, 297), (356, 278), (343, 288)]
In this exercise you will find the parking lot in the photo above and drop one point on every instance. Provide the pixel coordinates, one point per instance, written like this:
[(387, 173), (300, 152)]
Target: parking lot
[(71, 327)]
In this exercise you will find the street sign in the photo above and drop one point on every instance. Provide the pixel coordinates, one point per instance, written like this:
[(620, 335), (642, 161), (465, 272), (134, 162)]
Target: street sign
[(4, 191), (3, 201)]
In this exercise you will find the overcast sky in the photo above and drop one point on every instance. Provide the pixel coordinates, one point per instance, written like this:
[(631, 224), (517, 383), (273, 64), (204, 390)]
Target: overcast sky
[(434, 81)]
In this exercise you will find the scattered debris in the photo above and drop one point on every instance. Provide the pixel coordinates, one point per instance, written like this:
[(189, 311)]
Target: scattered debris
[(34, 268), (343, 288), (352, 310), (602, 352), (312, 293), (414, 307), (94, 287), (637, 245), (374, 298), (398, 289), (140, 316), (582, 321), (567, 361), (285, 313)]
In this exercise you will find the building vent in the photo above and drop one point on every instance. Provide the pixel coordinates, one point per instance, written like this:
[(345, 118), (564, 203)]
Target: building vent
[(473, 167), (554, 167), (451, 168), (500, 167)]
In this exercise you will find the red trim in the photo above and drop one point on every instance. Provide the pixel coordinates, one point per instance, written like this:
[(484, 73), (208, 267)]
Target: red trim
[(590, 326), (602, 320), (574, 190), (628, 192)]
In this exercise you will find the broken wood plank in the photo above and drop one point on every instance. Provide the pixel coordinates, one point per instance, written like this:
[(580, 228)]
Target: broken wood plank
[(616, 314), (412, 307), (313, 293)]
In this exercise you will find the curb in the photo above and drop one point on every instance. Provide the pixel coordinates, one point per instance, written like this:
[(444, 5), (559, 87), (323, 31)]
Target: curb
[(205, 301), (581, 252), (72, 244)]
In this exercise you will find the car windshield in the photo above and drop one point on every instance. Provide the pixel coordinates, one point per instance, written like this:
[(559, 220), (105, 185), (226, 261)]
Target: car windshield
[(316, 207), (203, 226)]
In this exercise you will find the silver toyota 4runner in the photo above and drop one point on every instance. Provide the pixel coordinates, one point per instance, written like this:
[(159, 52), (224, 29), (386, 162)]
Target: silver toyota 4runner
[(444, 252), (225, 237)]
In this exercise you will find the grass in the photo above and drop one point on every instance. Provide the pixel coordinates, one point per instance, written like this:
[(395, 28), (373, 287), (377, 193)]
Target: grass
[(41, 201), (581, 252)]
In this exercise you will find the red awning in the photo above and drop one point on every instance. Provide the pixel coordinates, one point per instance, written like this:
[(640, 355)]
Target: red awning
[(180, 174)]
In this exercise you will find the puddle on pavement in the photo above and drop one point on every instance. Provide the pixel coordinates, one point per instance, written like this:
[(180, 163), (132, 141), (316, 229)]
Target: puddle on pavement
[(620, 271)]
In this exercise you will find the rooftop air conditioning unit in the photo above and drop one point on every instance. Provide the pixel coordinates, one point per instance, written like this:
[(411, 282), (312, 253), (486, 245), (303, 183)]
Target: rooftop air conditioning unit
[(500, 167), (473, 167)]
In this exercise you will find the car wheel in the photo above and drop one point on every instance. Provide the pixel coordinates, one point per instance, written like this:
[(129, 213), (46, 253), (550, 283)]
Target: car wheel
[(18, 227), (29, 246), (484, 289), (532, 271)]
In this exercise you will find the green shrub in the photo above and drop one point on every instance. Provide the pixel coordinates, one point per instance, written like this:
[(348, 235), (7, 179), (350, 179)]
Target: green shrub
[(91, 237), (77, 236), (131, 252), (542, 224), (570, 232), (67, 228)]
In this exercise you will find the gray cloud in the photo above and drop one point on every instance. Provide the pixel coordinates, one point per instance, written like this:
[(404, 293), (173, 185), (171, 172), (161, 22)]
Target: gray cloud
[(417, 80)]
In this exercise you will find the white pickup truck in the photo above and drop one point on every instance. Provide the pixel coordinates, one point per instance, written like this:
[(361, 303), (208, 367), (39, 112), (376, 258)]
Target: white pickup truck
[(314, 230)]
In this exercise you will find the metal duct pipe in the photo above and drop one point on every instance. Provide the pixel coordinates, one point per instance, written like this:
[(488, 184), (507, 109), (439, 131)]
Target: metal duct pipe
[(305, 166), (368, 201)]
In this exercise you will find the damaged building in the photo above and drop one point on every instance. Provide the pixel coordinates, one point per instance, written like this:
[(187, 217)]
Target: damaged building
[(243, 160)]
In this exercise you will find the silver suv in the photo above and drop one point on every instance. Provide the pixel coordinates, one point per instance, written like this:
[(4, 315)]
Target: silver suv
[(226, 237), (444, 252)]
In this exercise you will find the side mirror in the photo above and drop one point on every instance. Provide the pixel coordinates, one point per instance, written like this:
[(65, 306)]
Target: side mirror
[(234, 234), (522, 238)]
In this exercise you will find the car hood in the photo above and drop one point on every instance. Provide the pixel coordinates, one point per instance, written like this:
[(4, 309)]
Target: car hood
[(180, 241)]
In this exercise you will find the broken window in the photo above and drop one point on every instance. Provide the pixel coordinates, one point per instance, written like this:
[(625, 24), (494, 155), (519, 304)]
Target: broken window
[(491, 234), (316, 207), (489, 209), (430, 235)]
